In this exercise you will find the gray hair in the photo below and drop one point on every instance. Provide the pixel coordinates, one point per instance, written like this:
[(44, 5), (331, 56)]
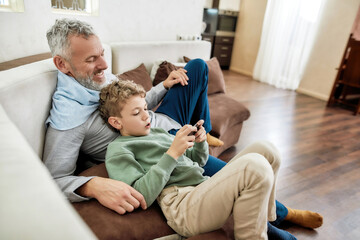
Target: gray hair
[(58, 35)]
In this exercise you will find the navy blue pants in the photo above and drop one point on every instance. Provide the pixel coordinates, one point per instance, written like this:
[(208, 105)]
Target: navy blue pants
[(188, 104)]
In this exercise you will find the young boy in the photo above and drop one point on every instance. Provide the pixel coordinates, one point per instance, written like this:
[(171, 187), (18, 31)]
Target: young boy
[(168, 169)]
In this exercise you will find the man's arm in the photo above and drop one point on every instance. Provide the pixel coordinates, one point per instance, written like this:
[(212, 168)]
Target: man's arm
[(61, 151), (113, 194), (154, 95)]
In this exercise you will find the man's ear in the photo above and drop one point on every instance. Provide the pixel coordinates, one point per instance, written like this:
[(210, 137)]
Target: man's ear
[(61, 64), (115, 122)]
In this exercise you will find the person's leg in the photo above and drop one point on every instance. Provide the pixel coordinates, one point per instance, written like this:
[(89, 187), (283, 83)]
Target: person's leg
[(188, 104), (281, 213), (212, 166), (271, 154), (278, 234), (242, 187), (303, 218)]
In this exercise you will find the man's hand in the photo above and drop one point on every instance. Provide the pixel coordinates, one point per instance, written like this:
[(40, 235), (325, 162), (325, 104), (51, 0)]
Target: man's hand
[(113, 194), (175, 77)]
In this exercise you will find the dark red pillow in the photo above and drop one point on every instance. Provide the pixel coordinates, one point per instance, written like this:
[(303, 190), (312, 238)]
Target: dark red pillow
[(165, 68), (139, 75)]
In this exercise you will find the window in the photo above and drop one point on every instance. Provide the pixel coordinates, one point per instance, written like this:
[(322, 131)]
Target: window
[(78, 7), (288, 35), (12, 5)]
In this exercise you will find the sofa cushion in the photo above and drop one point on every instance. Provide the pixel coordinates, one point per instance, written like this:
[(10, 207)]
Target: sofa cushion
[(222, 105), (216, 81), (163, 71), (157, 64), (216, 78), (107, 224), (139, 75), (154, 68)]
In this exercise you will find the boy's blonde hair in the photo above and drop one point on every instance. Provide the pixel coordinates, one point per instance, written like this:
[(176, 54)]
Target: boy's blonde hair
[(114, 96)]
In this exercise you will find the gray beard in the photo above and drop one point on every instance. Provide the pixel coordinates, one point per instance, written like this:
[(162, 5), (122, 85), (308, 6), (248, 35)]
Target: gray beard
[(90, 84)]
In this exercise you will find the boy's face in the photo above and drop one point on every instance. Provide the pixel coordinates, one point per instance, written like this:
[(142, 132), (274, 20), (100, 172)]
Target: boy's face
[(134, 120)]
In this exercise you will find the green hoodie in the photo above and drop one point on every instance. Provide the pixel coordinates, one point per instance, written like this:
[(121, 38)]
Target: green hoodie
[(142, 163)]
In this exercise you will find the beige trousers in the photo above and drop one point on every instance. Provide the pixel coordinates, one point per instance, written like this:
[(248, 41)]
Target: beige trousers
[(245, 187)]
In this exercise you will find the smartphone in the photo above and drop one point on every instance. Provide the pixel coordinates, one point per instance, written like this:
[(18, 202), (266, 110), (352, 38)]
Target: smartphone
[(197, 129)]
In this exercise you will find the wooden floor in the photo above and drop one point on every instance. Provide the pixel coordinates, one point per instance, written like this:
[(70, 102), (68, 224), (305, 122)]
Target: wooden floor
[(320, 147)]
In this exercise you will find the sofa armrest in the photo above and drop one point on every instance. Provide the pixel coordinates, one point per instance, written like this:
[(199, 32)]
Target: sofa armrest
[(32, 206)]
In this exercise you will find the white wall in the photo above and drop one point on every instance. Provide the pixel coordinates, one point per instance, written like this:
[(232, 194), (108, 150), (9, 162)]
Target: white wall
[(320, 73), (233, 5), (335, 28), (247, 36), (23, 34)]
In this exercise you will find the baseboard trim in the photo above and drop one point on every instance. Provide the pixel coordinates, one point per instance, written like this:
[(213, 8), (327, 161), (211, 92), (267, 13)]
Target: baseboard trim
[(313, 94), (241, 71)]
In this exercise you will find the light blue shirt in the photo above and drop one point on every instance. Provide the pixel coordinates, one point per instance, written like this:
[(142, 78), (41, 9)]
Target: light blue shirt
[(72, 103)]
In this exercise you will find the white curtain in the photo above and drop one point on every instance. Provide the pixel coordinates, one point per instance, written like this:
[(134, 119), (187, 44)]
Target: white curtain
[(287, 38)]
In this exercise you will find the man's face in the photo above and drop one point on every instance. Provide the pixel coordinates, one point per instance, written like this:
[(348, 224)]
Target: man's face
[(135, 120), (87, 63)]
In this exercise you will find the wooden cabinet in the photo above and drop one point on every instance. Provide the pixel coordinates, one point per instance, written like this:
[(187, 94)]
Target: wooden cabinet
[(208, 37), (222, 50)]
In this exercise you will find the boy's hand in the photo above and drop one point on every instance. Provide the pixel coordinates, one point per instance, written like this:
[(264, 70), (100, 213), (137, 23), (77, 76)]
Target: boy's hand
[(200, 135), (182, 141)]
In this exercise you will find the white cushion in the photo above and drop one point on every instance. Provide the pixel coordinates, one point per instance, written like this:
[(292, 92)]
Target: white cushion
[(108, 57), (154, 68), (25, 94), (129, 55)]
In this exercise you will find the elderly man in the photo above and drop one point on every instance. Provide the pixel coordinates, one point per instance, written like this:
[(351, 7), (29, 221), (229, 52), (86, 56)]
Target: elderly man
[(75, 127)]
